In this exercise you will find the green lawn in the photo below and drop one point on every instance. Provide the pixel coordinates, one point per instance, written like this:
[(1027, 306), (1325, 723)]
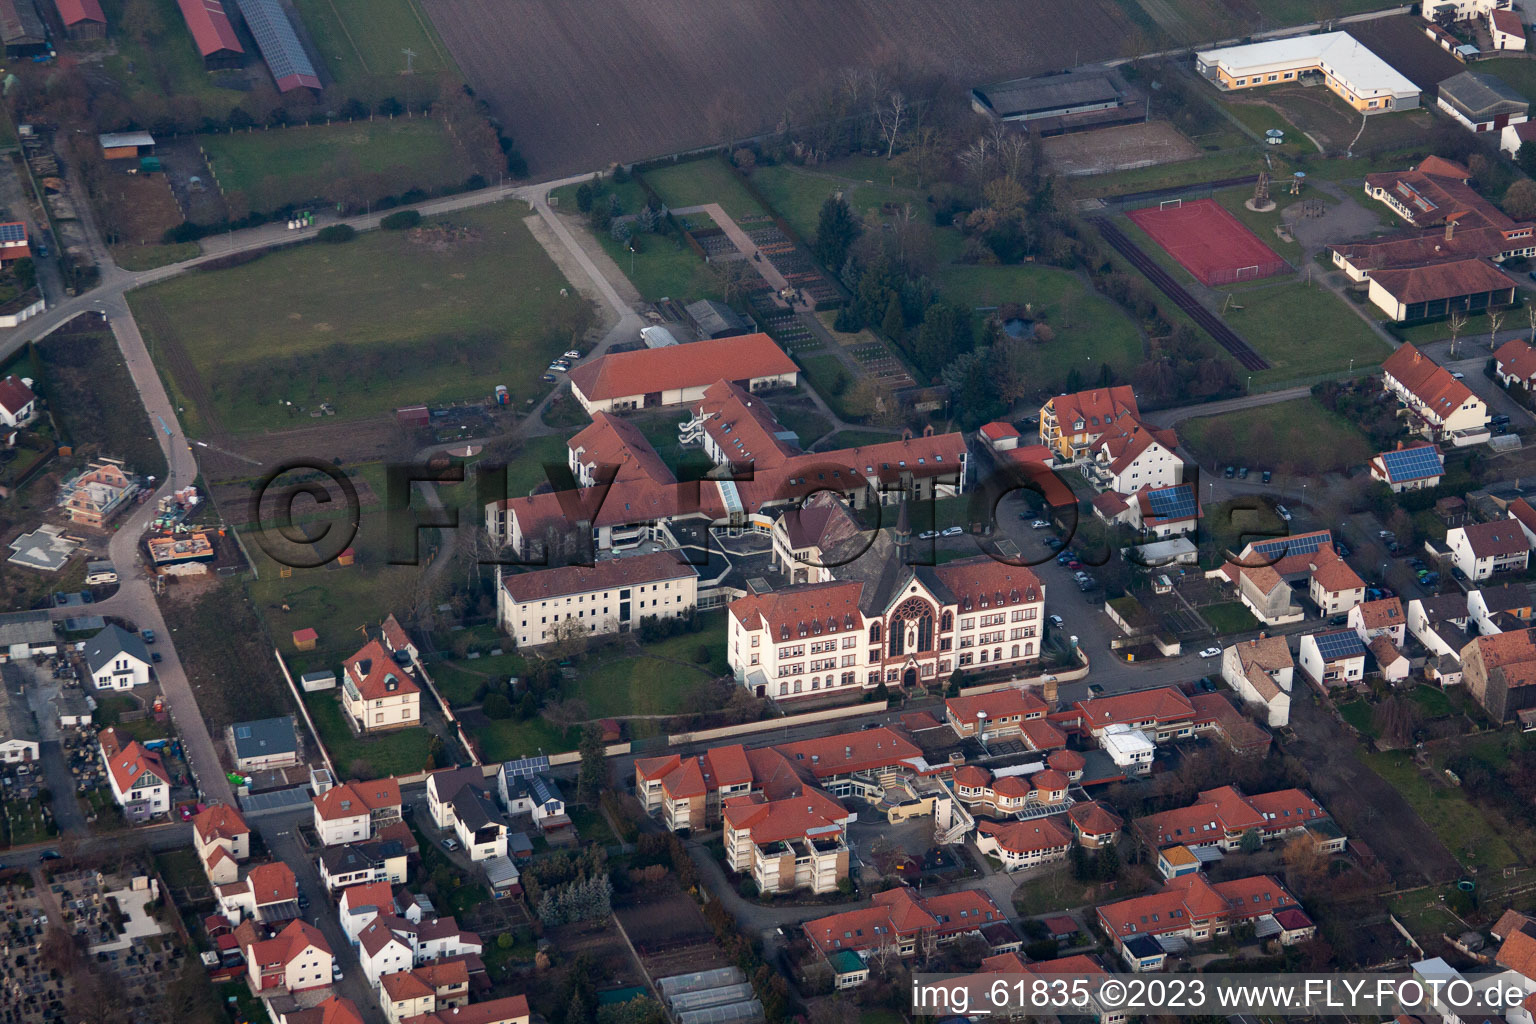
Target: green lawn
[(181, 868), (1515, 71), (458, 680), (1303, 330), (508, 738), (361, 38), (1458, 824), (1432, 701), (380, 322), (394, 753), (148, 257), (1473, 338), (286, 166), (1229, 617), (527, 469), (659, 681), (591, 825), (1089, 329), (1210, 167), (808, 424), (631, 195), (1300, 432), (697, 182), (165, 66), (830, 378), (664, 268), (856, 438), (797, 193), (1360, 714)]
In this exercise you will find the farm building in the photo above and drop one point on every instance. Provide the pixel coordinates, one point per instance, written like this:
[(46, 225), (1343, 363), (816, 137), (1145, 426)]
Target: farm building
[(279, 44), (212, 32), (1482, 103), (21, 29), (1347, 67), (713, 319), (1060, 103), (680, 374), (126, 145), (82, 18)]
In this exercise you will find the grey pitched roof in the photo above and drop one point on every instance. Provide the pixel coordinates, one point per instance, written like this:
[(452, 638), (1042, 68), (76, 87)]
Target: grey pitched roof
[(1482, 97), (16, 721), (264, 737), (880, 569), (472, 807), (1024, 96), (25, 628), (102, 648), (1441, 607), (341, 860), (541, 789)]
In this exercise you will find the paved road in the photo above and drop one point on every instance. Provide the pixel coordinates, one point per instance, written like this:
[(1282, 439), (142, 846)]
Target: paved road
[(1173, 417)]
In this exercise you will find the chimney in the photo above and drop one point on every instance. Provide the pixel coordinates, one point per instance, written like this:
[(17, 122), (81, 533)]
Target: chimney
[(1450, 227)]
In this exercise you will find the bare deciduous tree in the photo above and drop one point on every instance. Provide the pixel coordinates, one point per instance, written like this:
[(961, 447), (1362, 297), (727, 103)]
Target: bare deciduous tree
[(1495, 320), (891, 115), (1458, 322)]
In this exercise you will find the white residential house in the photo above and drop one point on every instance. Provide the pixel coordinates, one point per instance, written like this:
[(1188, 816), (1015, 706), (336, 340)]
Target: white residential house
[(117, 659), (1415, 466), (1443, 406), (1383, 617), (140, 783), (355, 811), (18, 403), (377, 693), (1439, 623), (19, 738), (268, 893), (385, 945), (360, 863), (1333, 586), (1390, 660), (531, 793), (1499, 609), (1333, 658), (222, 840), (298, 958), (360, 904), (1260, 672), (1130, 456), (609, 597), (459, 799), (1482, 550)]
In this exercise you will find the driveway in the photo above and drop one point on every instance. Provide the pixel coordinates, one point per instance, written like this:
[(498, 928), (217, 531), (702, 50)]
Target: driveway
[(42, 688)]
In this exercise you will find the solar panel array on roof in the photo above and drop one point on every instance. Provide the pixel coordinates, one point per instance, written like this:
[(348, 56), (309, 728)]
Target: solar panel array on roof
[(11, 233), (279, 45), (1414, 463), (1304, 544), (527, 766), (1172, 502), (1343, 643)]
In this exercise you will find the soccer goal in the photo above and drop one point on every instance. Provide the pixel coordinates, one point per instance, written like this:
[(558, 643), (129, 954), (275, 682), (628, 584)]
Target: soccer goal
[(1170, 204), (1245, 272)]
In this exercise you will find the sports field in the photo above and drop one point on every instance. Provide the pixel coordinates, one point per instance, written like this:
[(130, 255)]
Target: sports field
[(391, 318), (275, 168), (1208, 241), (363, 38)]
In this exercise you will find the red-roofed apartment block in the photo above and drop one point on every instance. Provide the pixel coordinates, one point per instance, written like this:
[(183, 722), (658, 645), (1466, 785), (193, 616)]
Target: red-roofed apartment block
[(899, 920), (1443, 407), (377, 693), (1190, 908), (788, 844), (610, 596)]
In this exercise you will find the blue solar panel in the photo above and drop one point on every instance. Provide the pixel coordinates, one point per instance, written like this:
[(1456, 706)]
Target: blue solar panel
[(526, 767), (279, 44), (1172, 502), (1343, 643), (1414, 463), (1302, 544), (13, 232)]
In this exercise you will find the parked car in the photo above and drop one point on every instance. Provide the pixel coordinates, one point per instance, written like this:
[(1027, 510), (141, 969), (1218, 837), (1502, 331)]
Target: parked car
[(1074, 564), (1386, 535), (156, 657), (1088, 584), (1500, 418), (928, 535), (1416, 564), (148, 635), (1231, 471), (450, 845), (1283, 512), (1242, 474), (1052, 543), (558, 368), (51, 855), (1211, 652), (1206, 685), (952, 531), (335, 971), (548, 378), (1267, 475), (1341, 549), (185, 812), (1054, 620), (1039, 524), (1338, 620), (1458, 375), (1431, 581), (572, 354), (1458, 574)]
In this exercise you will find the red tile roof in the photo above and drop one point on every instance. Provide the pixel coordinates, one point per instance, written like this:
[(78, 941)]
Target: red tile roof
[(1425, 379), (811, 814), (1441, 280), (1521, 512), (1507, 21), (978, 579), (1518, 952), (850, 752), (14, 395), (1042, 735), (832, 606), (376, 675), (998, 430), (1098, 409), (1036, 835), (381, 931), (128, 763), (493, 1011), (402, 985), (379, 895), (1129, 439), (1049, 781), (699, 364), (1092, 818), (353, 798), (72, 12), (210, 27), (1164, 704), (995, 705), (655, 567), (219, 821), (1517, 359), (393, 634), (1334, 575), (273, 883), (1510, 922), (1496, 539), (1066, 760), (289, 944), (1381, 614)]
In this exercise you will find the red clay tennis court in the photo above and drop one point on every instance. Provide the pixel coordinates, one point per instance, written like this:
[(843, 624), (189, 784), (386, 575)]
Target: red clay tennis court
[(1209, 241)]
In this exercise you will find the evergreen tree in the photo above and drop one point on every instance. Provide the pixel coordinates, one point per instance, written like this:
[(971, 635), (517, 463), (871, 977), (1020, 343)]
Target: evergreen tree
[(1106, 865), (894, 324), (835, 232), (593, 776), (1525, 156), (1078, 858)]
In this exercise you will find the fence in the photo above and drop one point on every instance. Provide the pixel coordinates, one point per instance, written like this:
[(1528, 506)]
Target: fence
[(768, 725)]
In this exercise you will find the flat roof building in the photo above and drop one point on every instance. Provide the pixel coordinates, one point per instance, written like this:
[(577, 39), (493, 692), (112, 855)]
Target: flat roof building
[(1348, 67)]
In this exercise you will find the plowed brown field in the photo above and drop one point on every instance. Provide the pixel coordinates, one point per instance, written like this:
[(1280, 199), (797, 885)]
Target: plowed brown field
[(582, 83)]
